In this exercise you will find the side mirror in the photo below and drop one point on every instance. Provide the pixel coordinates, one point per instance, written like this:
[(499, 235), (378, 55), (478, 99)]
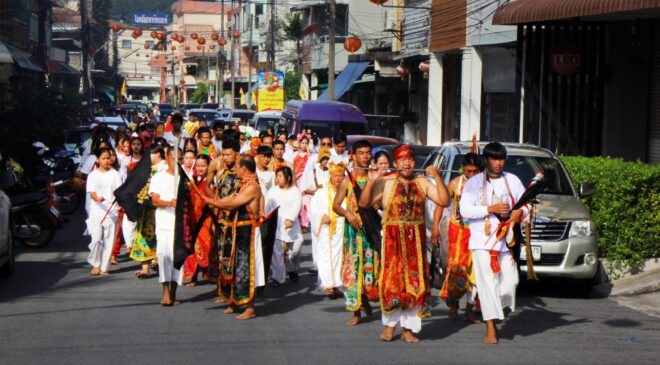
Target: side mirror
[(586, 190)]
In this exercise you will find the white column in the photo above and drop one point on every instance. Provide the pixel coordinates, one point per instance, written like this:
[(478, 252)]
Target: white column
[(315, 83), (471, 79), (434, 119)]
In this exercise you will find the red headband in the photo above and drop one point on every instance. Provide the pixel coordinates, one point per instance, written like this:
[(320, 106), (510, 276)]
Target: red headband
[(403, 152)]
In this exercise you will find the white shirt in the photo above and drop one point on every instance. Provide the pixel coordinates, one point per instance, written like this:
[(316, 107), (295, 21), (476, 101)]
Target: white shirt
[(217, 143), (171, 138), (289, 154), (473, 210), (165, 185), (104, 185), (266, 180), (336, 158), (290, 203)]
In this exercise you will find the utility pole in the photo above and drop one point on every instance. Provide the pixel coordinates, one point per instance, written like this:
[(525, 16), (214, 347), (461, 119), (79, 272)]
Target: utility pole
[(87, 57), (231, 48), (331, 50), (250, 55), (271, 51), (221, 55)]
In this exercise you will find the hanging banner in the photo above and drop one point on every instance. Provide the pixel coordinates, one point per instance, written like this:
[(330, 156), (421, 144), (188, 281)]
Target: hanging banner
[(270, 92)]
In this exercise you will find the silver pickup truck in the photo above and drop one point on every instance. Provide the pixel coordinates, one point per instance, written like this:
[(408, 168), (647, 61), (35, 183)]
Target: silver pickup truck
[(563, 235)]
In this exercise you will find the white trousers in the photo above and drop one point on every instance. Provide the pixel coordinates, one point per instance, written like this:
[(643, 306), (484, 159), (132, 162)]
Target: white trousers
[(283, 261), (128, 231), (103, 240), (407, 317), (496, 291), (165, 256)]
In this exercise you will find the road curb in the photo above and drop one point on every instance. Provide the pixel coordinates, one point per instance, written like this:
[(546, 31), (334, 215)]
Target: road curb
[(646, 282)]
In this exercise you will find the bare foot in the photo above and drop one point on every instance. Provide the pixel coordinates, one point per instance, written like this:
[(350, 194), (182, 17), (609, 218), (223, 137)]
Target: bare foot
[(229, 310), (104, 273), (220, 301), (113, 260), (387, 334), (165, 301), (247, 314), (95, 271), (453, 311), (408, 336), (354, 321), (176, 302), (491, 333), (192, 284)]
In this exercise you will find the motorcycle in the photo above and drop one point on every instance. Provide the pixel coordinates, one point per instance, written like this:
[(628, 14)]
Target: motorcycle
[(33, 220)]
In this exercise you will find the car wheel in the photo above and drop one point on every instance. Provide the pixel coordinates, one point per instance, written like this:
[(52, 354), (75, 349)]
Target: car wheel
[(10, 266)]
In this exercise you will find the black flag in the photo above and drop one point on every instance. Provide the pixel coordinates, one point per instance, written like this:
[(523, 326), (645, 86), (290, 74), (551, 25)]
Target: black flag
[(136, 183), (184, 226)]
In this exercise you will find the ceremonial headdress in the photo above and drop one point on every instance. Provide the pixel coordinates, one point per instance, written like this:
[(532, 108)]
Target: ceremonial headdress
[(337, 168), (255, 142), (324, 153), (304, 135), (403, 151)]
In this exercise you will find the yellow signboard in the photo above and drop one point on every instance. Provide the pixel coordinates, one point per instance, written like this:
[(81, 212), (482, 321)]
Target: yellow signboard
[(270, 92)]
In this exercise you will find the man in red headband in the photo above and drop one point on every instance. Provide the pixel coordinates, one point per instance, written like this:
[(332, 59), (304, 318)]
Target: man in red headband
[(405, 292)]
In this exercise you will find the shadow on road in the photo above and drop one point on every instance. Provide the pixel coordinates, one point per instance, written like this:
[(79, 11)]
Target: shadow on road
[(22, 283)]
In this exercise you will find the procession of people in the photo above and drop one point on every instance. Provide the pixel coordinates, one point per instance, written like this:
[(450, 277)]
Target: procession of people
[(196, 199)]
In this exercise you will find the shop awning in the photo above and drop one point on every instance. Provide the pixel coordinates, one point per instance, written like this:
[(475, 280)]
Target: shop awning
[(346, 78), (531, 11), (5, 56), (24, 61), (56, 67)]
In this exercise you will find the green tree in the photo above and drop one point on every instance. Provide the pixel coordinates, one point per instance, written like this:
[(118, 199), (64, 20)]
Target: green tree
[(292, 85), (201, 93), (293, 31)]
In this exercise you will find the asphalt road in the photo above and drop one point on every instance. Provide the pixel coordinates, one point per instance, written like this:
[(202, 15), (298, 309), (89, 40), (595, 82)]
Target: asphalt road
[(53, 311)]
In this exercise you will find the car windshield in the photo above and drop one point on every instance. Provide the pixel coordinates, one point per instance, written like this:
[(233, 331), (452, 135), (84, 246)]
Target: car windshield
[(265, 123), (328, 128), (526, 167), (205, 115), (241, 115), (78, 137)]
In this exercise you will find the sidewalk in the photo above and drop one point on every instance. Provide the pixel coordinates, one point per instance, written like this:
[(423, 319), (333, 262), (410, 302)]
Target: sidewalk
[(646, 282), (640, 292)]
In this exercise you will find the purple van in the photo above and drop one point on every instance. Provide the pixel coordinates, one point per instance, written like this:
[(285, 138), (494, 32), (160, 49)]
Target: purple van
[(323, 117)]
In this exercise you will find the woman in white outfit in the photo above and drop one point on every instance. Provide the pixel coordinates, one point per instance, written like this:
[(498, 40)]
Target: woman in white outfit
[(288, 237), (102, 212)]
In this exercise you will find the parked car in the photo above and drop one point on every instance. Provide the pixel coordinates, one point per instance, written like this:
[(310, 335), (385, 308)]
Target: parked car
[(75, 140), (183, 107), (267, 119), (563, 238), (209, 106), (165, 110), (7, 262), (113, 123), (209, 115), (323, 118)]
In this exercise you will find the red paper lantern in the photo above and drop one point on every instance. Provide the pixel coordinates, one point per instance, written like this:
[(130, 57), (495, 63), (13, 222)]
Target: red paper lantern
[(352, 44), (154, 34), (199, 47), (173, 48), (116, 27), (187, 48), (137, 32), (194, 36), (201, 40), (222, 42), (161, 36), (236, 34), (182, 82), (146, 46), (211, 46), (214, 36), (378, 2)]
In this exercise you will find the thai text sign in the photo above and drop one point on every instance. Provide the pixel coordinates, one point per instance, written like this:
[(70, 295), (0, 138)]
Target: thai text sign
[(151, 18), (270, 92)]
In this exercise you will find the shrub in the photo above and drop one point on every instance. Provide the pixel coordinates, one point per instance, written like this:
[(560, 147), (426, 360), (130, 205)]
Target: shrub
[(625, 207)]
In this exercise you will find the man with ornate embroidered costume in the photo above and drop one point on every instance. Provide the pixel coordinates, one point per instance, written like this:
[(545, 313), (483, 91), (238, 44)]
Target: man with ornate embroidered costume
[(459, 279), (361, 242), (328, 232), (241, 259), (405, 291), (224, 182), (486, 202)]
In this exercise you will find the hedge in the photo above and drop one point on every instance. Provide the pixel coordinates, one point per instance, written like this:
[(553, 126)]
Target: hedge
[(625, 207)]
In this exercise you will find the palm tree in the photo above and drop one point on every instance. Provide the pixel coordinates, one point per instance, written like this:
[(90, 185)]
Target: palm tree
[(293, 31)]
